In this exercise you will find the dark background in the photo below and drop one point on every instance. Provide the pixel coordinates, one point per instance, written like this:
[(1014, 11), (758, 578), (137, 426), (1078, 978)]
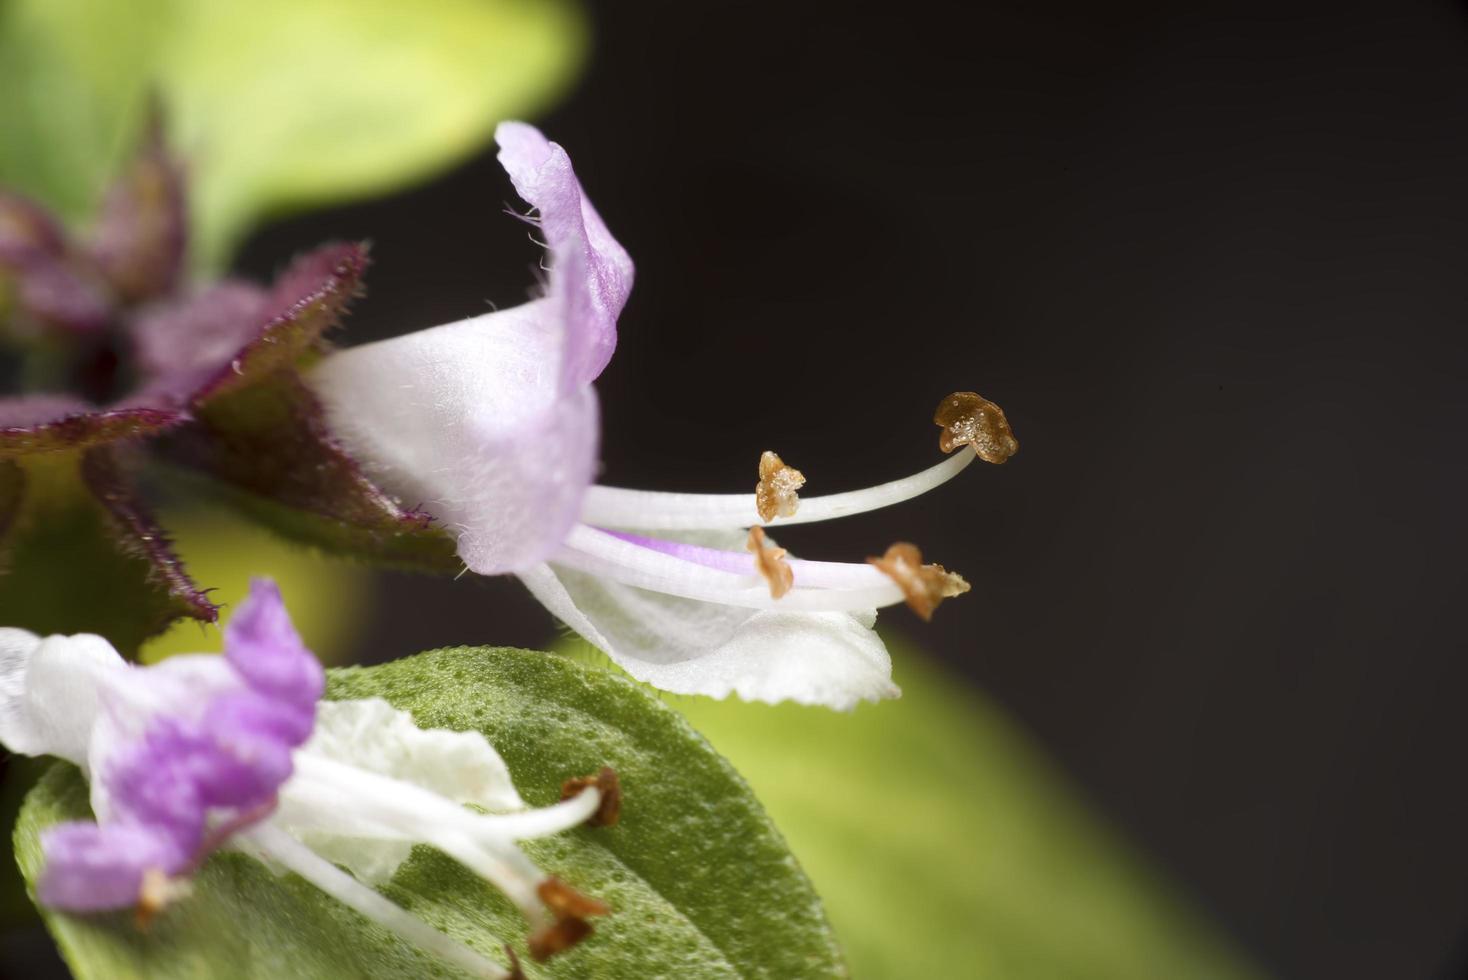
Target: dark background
[(1209, 258)]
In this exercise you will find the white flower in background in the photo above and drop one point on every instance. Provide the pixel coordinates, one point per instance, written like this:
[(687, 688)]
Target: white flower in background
[(491, 425), (202, 752)]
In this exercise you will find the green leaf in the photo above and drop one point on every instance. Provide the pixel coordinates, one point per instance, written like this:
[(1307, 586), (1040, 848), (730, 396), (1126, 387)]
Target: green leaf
[(700, 882), (276, 104), (946, 845), (80, 553)]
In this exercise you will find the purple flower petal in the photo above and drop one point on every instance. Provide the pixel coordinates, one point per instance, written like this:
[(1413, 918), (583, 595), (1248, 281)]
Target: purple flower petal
[(185, 343), (490, 424), (142, 230), (90, 868), (236, 761), (26, 228), (156, 787), (263, 646), (591, 273), (50, 288)]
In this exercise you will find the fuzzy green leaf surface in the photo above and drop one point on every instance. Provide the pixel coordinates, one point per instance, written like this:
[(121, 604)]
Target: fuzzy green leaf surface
[(275, 104), (700, 882)]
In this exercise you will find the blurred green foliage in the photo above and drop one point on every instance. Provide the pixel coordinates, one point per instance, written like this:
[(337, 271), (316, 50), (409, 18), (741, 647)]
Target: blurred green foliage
[(328, 599), (275, 104), (945, 845)]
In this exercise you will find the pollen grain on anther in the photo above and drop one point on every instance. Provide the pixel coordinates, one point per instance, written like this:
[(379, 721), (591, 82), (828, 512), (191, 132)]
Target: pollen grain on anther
[(609, 811), (924, 586), (970, 419), (774, 495)]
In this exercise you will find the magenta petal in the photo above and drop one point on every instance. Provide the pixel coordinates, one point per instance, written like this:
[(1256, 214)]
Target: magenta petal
[(262, 644), (591, 273), (91, 868)]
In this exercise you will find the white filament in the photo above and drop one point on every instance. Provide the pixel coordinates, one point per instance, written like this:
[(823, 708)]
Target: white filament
[(281, 847), (601, 554), (617, 507)]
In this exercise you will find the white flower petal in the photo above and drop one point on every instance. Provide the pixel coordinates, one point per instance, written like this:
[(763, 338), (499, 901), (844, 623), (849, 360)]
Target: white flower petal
[(49, 691), (692, 647), (470, 421), (373, 735)]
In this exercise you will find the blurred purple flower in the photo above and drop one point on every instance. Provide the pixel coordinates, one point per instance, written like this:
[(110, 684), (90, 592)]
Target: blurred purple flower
[(202, 752), (226, 752)]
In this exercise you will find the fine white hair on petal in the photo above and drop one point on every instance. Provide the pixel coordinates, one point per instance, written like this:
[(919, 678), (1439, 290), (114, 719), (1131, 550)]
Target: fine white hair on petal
[(590, 271), (50, 691), (469, 420), (687, 646)]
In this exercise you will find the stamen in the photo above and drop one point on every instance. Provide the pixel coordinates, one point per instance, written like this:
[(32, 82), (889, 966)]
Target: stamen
[(771, 563), (516, 973), (609, 810), (774, 495), (564, 900), (924, 585), (970, 419), (650, 510), (154, 895), (294, 856), (571, 909), (603, 554), (557, 937)]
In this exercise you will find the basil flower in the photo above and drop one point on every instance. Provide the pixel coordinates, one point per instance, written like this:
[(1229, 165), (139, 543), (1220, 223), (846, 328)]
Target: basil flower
[(202, 752), (490, 425)]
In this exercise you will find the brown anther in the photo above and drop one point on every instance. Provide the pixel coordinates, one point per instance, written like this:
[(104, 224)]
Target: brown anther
[(557, 937), (610, 810), (970, 419), (923, 585), (771, 563), (153, 895), (566, 902), (774, 495), (516, 973)]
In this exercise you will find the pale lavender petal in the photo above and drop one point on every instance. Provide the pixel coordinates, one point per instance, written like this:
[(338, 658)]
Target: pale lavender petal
[(90, 868), (469, 421), (261, 643), (590, 272)]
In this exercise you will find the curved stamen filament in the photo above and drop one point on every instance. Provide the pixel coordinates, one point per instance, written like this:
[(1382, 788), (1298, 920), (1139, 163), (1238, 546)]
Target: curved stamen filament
[(290, 853), (599, 553), (812, 574), (650, 510)]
